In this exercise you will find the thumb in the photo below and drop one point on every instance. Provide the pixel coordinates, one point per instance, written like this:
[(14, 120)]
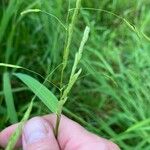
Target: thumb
[(38, 135)]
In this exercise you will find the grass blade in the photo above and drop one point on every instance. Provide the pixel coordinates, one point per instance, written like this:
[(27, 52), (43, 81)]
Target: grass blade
[(138, 125), (15, 136), (40, 91), (9, 98), (44, 12)]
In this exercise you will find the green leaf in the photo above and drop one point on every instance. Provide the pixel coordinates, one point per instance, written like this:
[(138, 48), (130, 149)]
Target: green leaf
[(139, 125), (40, 91), (15, 136), (9, 98)]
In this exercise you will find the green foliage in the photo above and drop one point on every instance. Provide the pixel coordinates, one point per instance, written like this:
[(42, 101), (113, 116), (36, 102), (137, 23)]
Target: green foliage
[(40, 91), (12, 114), (111, 98)]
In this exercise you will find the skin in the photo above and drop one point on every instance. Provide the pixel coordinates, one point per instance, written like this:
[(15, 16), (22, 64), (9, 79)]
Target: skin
[(38, 134)]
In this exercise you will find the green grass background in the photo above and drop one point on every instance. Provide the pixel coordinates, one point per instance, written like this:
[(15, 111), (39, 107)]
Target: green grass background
[(112, 96)]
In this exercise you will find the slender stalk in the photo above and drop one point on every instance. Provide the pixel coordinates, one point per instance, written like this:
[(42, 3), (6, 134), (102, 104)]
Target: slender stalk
[(73, 78), (57, 125), (58, 118), (68, 40)]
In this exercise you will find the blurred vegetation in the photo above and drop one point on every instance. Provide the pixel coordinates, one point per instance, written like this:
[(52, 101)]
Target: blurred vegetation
[(111, 98)]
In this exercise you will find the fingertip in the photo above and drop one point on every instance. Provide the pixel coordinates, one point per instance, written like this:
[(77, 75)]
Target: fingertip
[(6, 134), (38, 134), (113, 146)]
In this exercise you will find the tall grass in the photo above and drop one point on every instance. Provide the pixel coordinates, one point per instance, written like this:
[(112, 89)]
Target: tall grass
[(111, 97)]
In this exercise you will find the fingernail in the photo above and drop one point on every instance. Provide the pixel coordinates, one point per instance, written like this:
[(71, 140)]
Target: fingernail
[(35, 130)]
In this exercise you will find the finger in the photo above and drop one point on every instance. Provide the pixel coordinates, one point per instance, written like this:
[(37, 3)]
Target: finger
[(38, 134), (6, 134), (71, 135), (68, 126)]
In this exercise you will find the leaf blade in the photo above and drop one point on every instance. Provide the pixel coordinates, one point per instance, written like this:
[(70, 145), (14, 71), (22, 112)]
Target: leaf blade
[(45, 95), (9, 98)]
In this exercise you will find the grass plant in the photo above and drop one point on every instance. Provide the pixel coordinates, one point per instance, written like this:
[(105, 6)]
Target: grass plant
[(111, 95)]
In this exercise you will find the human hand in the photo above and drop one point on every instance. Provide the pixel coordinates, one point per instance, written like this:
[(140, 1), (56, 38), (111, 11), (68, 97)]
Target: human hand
[(38, 135)]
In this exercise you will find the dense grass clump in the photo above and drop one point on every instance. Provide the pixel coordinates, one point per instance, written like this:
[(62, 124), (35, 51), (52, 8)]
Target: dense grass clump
[(111, 96)]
